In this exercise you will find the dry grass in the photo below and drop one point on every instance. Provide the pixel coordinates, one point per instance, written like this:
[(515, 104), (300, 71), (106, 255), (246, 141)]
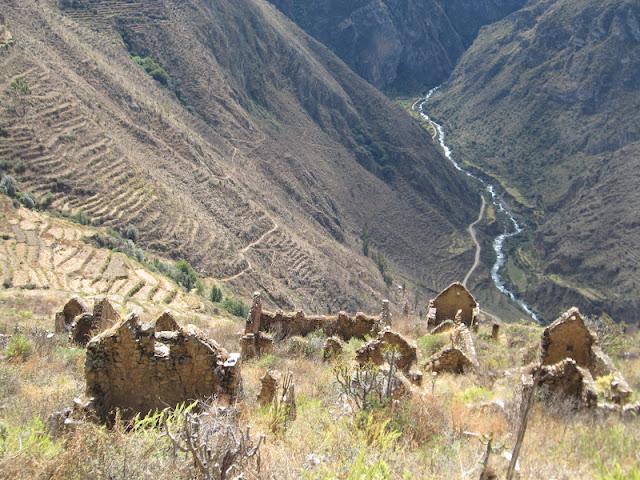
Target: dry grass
[(423, 437)]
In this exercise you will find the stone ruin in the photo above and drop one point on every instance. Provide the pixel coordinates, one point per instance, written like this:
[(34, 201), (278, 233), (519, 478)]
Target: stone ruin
[(375, 350), (571, 361), (380, 350), (79, 324), (138, 368), (255, 342), (459, 357), (453, 300), (332, 349), (64, 319), (284, 325), (385, 318), (268, 387)]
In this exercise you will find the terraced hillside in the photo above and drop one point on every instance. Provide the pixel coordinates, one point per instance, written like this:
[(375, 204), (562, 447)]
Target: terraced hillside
[(47, 257), (257, 154), (547, 102)]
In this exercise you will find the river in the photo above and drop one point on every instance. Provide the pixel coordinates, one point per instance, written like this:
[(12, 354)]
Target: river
[(498, 242)]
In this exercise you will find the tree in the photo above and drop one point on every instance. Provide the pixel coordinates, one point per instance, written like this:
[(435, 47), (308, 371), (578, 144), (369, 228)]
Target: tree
[(216, 294)]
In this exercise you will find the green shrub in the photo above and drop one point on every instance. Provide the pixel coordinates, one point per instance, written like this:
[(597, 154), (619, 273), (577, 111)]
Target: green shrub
[(8, 186), (81, 218), (20, 85), (473, 395), (27, 200), (131, 233), (153, 68), (216, 294), (46, 201), (430, 344), (235, 307), (186, 277), (19, 347)]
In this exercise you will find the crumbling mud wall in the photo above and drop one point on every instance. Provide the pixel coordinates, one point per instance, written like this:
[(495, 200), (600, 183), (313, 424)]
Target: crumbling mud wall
[(453, 299), (568, 337), (284, 325), (374, 351), (459, 357), (571, 359), (138, 368), (64, 318)]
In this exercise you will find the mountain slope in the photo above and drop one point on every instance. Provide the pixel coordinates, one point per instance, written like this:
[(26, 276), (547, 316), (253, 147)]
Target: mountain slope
[(547, 101), (400, 45), (248, 148)]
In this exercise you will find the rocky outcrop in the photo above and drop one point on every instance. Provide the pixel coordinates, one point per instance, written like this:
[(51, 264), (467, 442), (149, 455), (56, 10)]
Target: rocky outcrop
[(136, 369), (401, 45), (5, 35), (387, 344)]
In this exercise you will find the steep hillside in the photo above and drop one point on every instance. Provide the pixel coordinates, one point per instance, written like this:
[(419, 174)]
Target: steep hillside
[(401, 45), (228, 137), (547, 102)]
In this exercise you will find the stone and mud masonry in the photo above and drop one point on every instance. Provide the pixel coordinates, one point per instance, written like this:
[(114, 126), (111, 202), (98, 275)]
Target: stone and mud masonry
[(573, 367), (134, 367)]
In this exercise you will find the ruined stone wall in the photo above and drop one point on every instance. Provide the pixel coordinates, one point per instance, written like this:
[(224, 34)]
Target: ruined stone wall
[(450, 301), (137, 368), (567, 337), (284, 325)]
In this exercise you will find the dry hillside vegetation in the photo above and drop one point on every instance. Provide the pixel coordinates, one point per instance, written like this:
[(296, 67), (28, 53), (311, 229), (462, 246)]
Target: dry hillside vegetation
[(440, 431), (230, 138)]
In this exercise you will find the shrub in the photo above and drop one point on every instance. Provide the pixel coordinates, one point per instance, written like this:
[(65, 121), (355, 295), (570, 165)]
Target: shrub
[(27, 200), (131, 233), (81, 218), (46, 201), (235, 307), (216, 294), (153, 68), (19, 348), (365, 242), (20, 85), (8, 186), (186, 277), (430, 344)]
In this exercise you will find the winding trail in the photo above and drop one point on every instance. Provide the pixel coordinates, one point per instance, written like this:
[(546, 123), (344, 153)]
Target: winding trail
[(474, 237), (501, 207), (246, 249)]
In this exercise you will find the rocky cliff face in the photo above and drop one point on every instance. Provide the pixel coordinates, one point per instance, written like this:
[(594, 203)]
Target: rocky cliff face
[(547, 101), (399, 45)]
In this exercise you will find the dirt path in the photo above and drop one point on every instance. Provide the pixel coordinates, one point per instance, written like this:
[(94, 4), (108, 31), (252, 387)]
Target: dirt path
[(472, 232), (246, 249)]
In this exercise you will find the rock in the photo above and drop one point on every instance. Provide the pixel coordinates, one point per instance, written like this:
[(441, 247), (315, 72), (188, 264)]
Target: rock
[(332, 348), (566, 379), (284, 325), (495, 331), (134, 368), (64, 319), (454, 301), (375, 350)]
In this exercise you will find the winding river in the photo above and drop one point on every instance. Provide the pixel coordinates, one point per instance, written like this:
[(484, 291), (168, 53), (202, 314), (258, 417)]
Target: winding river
[(498, 243)]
